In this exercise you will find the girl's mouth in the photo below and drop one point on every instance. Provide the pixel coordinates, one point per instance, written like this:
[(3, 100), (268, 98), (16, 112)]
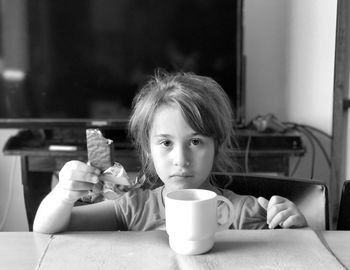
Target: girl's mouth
[(181, 175)]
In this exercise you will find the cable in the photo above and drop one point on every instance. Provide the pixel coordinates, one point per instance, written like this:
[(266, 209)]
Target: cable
[(318, 130), (321, 147), (306, 128), (9, 198), (310, 138), (313, 149)]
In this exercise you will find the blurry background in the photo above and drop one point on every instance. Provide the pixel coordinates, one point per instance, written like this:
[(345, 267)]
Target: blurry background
[(289, 48)]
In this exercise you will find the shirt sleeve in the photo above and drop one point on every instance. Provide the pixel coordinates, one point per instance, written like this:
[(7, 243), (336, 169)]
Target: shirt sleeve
[(138, 210), (248, 213), (253, 215)]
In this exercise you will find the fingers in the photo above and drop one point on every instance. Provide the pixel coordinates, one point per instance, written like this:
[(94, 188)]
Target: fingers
[(76, 185), (294, 221), (275, 211), (271, 210), (281, 211), (79, 165), (79, 171), (77, 178), (263, 202), (75, 175), (278, 219)]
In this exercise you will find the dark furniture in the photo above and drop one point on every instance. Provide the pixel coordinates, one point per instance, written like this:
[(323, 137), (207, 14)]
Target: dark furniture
[(311, 196), (343, 223), (259, 152)]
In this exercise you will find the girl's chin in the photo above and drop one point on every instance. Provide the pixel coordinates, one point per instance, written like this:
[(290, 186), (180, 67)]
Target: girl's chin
[(178, 186)]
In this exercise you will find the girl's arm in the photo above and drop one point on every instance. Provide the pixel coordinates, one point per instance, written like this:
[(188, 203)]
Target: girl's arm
[(53, 214), (56, 215), (56, 212), (94, 217)]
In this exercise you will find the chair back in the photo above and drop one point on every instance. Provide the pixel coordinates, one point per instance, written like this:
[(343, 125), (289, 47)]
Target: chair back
[(343, 223), (310, 196)]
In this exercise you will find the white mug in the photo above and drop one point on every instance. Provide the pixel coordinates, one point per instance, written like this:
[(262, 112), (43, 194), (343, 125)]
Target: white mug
[(191, 219)]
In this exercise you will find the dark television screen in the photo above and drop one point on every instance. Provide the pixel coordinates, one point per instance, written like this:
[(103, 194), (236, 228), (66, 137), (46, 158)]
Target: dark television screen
[(87, 58)]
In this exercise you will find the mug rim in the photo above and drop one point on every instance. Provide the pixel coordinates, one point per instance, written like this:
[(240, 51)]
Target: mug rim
[(210, 196)]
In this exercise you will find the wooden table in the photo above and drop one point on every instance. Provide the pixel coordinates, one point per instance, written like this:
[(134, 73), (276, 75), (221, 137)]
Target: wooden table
[(255, 249), (21, 250), (339, 243)]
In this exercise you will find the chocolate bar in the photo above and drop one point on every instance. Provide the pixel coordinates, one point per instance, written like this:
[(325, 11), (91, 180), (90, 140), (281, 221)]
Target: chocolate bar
[(114, 180), (100, 149)]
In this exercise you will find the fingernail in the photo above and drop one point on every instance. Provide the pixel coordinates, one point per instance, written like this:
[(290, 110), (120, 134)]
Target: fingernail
[(95, 178)]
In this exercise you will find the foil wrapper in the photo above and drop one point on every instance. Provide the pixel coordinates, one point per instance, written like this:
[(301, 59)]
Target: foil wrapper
[(114, 180)]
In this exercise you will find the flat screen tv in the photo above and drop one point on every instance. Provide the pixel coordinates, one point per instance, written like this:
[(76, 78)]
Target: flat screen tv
[(87, 58)]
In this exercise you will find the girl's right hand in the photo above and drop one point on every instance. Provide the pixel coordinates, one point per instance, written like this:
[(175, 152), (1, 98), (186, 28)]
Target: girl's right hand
[(76, 179)]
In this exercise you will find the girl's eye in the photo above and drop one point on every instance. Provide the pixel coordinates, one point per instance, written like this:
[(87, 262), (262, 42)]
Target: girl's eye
[(195, 141), (166, 143)]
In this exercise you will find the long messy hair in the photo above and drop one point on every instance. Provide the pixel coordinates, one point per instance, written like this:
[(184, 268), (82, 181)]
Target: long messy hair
[(204, 105)]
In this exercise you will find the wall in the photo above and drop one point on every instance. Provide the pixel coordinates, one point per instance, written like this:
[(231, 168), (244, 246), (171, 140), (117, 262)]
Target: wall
[(11, 190), (290, 59), (290, 50)]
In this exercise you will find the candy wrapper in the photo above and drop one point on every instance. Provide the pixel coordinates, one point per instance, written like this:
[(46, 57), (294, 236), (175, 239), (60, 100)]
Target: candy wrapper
[(114, 180)]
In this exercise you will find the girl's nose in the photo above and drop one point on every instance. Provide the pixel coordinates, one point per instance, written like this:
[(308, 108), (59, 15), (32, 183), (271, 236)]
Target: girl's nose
[(181, 157)]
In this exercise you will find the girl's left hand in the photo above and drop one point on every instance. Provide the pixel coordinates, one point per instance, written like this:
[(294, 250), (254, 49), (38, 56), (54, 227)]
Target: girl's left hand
[(282, 212)]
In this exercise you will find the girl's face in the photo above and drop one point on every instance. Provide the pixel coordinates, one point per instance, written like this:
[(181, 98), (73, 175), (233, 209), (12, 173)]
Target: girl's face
[(182, 158)]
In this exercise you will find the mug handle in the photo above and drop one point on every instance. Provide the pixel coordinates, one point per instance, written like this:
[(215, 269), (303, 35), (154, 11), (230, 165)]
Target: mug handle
[(227, 224)]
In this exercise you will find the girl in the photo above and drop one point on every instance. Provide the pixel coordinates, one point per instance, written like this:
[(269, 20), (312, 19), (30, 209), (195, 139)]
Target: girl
[(181, 126)]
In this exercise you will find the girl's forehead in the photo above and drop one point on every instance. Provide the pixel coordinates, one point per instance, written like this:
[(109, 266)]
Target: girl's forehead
[(168, 118)]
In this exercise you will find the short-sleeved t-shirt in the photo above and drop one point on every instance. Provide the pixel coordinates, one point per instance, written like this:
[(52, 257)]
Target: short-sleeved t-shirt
[(143, 210)]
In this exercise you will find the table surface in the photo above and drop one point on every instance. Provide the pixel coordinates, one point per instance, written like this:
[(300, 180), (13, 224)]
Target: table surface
[(241, 249)]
